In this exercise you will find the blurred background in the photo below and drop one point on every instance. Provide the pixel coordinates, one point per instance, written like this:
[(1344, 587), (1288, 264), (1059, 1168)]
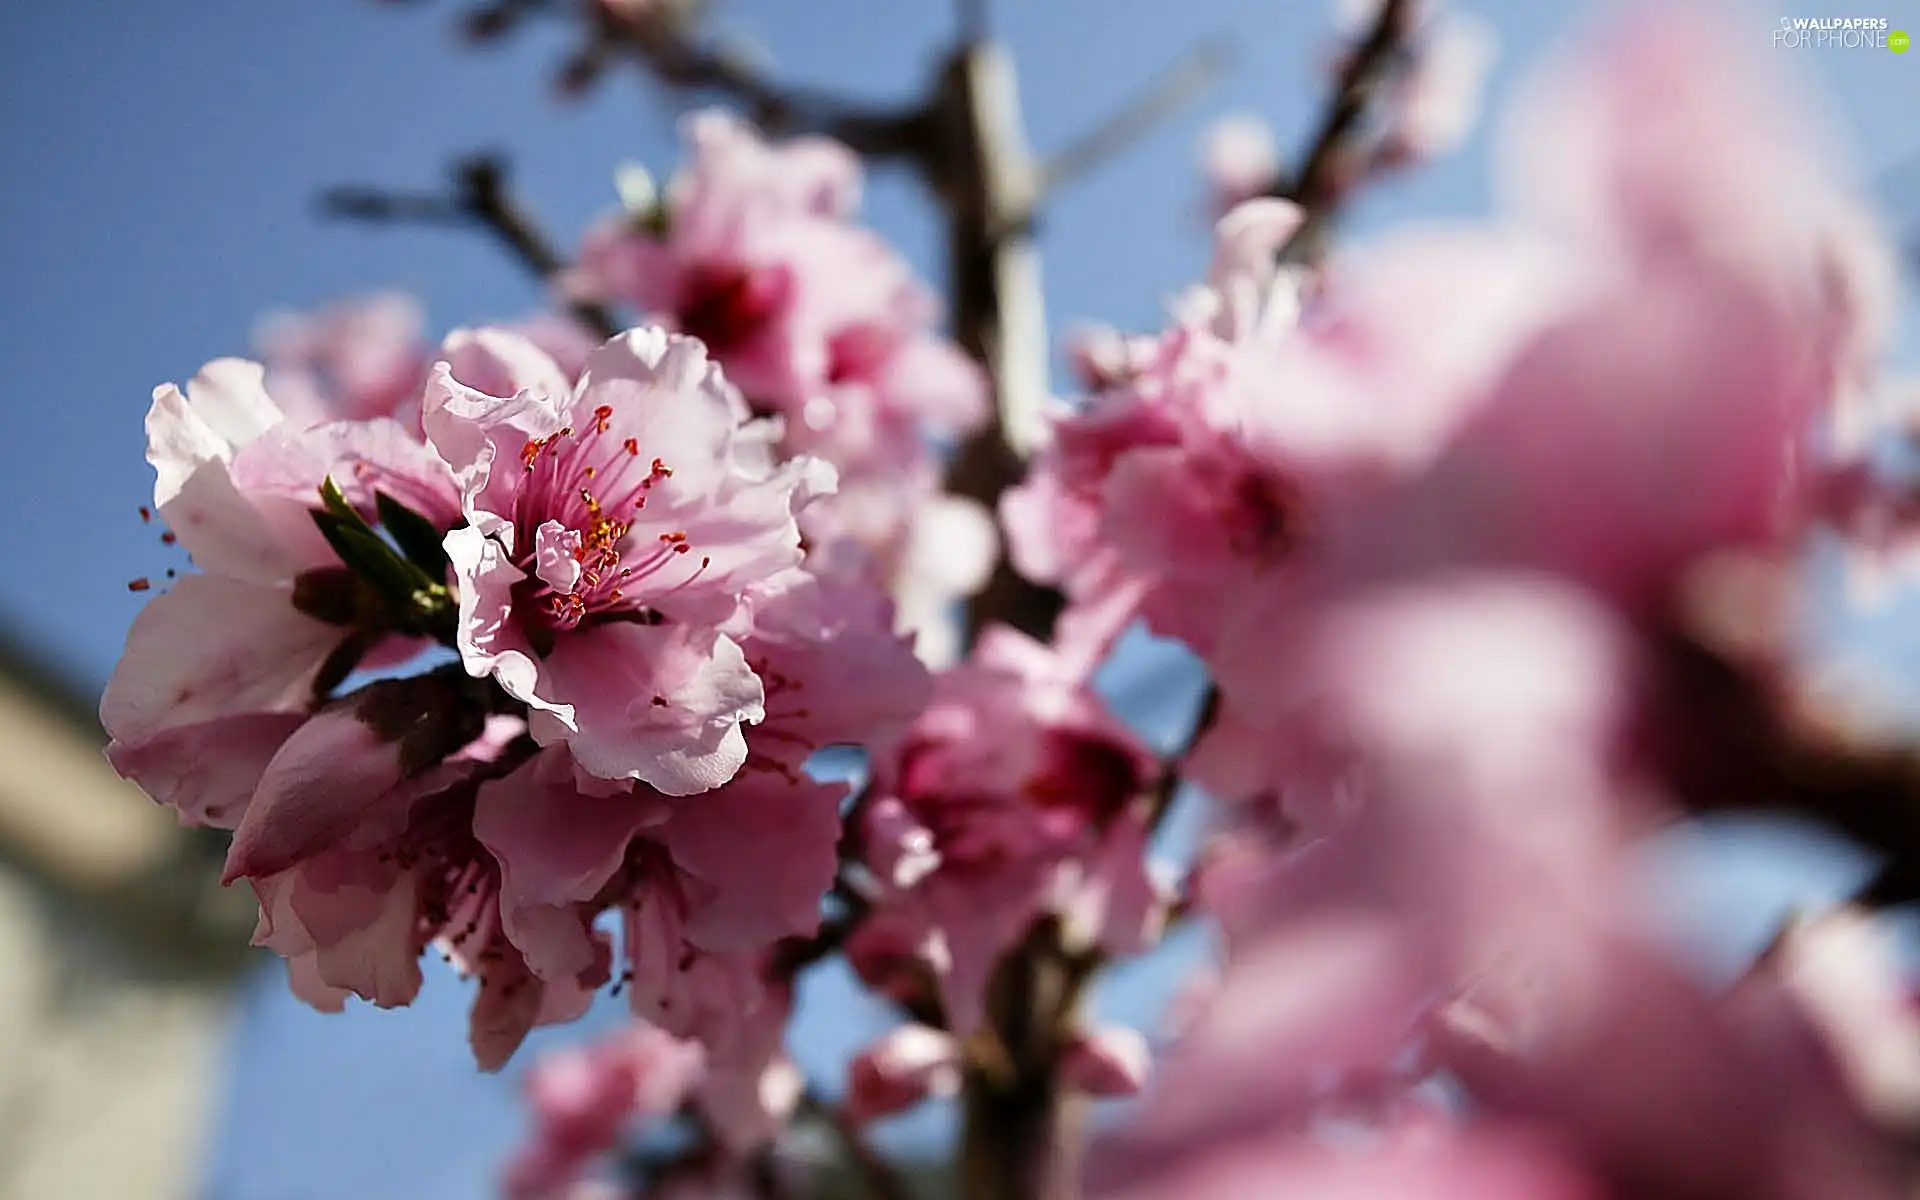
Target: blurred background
[(160, 167)]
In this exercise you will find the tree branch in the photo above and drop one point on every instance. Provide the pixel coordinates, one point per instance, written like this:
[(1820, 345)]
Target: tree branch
[(1333, 157), (988, 182), (478, 198), (1169, 783), (1720, 732), (676, 60), (798, 954)]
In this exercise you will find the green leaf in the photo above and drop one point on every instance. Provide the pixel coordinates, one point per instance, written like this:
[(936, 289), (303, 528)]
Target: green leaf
[(413, 594), (336, 502), (370, 557), (418, 538)]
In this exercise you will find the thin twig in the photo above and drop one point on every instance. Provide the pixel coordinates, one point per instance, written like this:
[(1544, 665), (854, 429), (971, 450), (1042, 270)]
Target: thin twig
[(479, 198), (778, 108), (1169, 783), (1160, 99), (359, 203), (797, 955), (1330, 161), (483, 192)]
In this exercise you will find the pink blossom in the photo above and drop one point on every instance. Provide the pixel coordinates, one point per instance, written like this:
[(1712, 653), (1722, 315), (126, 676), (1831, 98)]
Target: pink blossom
[(925, 547), (815, 319), (613, 529), (904, 1067), (707, 884), (1215, 463), (1239, 159), (1474, 1169), (810, 315), (223, 667), (1017, 772), (354, 887), (1842, 969), (702, 885), (752, 1089), (834, 671), (588, 1099), (1662, 412), (1448, 906), (1109, 1061), (1104, 358), (1434, 715), (584, 1098), (361, 358)]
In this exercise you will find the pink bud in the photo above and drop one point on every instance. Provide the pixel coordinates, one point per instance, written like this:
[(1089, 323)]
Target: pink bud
[(899, 848), (336, 773), (317, 787), (1239, 158), (900, 1070), (1109, 1061)]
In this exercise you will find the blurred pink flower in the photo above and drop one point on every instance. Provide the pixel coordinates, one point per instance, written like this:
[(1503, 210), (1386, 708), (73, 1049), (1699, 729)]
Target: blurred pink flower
[(1193, 485), (1018, 776), (585, 1098), (903, 1067), (752, 251), (1843, 970), (1441, 905), (810, 315), (1239, 159), (1109, 1061), (356, 359)]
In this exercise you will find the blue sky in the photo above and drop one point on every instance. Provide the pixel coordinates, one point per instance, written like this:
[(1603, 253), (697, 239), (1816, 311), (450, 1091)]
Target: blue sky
[(159, 169)]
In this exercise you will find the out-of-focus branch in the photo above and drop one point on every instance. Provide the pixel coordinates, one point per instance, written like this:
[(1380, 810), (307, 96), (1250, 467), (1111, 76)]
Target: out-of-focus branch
[(478, 198), (797, 955), (987, 179), (669, 52), (1168, 785), (1160, 99), (781, 109), (881, 1181), (1729, 744), (1336, 153)]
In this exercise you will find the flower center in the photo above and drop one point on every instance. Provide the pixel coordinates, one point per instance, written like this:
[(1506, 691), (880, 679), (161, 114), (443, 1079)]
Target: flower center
[(590, 485), (727, 306)]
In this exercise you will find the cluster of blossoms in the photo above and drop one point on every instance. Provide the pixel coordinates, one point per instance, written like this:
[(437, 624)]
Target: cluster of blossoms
[(1489, 537), (645, 663), (751, 248)]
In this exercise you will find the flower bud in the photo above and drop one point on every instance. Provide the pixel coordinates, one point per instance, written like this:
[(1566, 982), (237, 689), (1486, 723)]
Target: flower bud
[(1109, 1061), (900, 1070)]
